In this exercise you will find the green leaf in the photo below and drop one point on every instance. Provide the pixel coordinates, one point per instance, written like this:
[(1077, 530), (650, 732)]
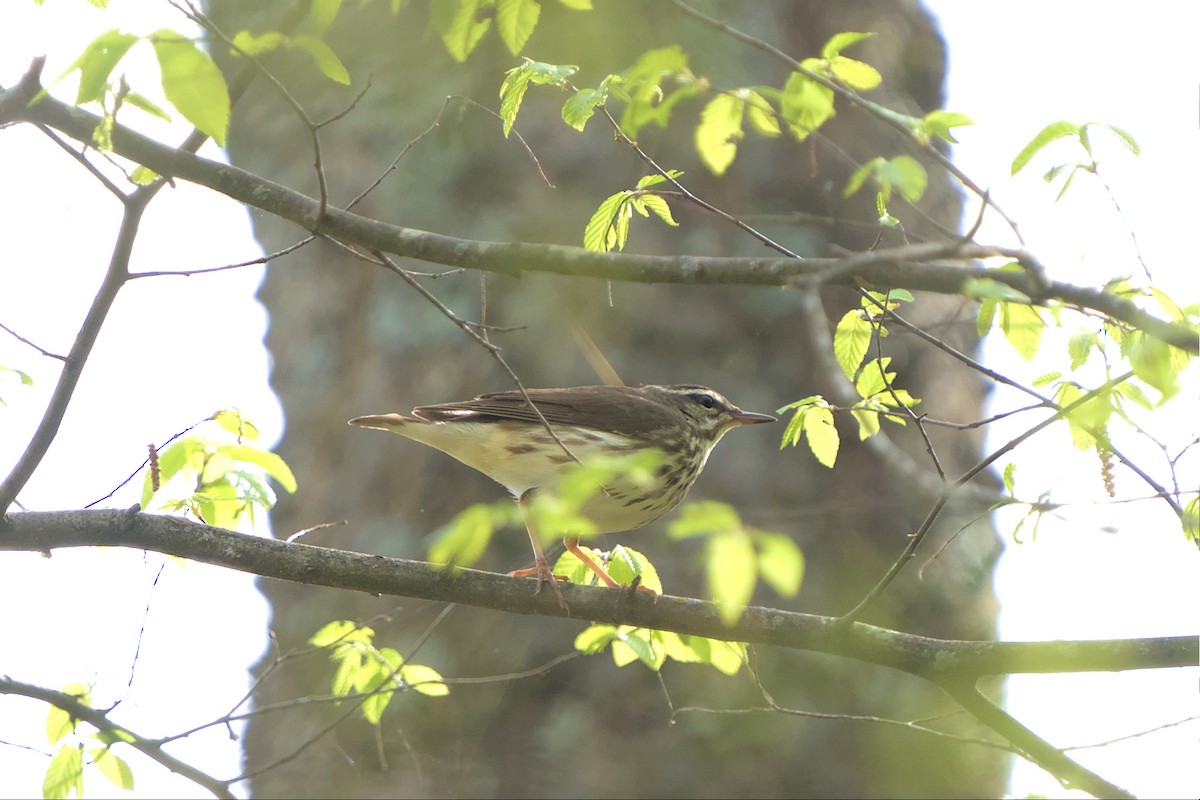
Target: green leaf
[(704, 518), (1191, 520), (905, 174), (323, 56), (593, 639), (1132, 392), (868, 422), (855, 74), (143, 176), (860, 175), (272, 463), (375, 677), (553, 512), (1088, 422), (987, 314), (193, 84), (518, 79), (512, 92), (1154, 361), (780, 562), (625, 564), (646, 181), (464, 538), (1023, 326), (1010, 476), (425, 680), (515, 21), (874, 378), (840, 41), (58, 724), (64, 775), (1126, 138), (1048, 134), (257, 44), (232, 420), (338, 632), (1048, 378), (805, 105), (577, 5), (23, 377), (823, 437), (113, 736), (728, 657), (463, 30), (719, 131), (659, 206), (851, 339), (347, 676), (97, 62), (938, 123), (580, 106), (761, 114), (643, 83), (322, 13), (636, 643), (1080, 347), (601, 233), (113, 767), (731, 567)]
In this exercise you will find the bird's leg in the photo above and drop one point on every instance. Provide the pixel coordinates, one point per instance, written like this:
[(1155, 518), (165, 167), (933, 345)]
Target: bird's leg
[(541, 568), (572, 545)]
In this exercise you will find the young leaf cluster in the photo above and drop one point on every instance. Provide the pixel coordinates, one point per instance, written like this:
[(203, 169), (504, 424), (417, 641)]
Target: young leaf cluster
[(875, 384), (1081, 133), (737, 555), (608, 229), (1019, 320), (661, 79), (190, 81), (64, 774), (653, 648), (217, 473), (378, 672), (463, 24)]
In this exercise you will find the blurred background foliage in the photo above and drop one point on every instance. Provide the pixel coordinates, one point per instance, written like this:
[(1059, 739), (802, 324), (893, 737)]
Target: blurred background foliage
[(348, 339)]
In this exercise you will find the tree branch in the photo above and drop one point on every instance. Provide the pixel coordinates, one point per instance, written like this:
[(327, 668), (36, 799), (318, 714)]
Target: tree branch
[(934, 659), (98, 719), (1068, 772), (64, 389), (941, 267), (954, 665)]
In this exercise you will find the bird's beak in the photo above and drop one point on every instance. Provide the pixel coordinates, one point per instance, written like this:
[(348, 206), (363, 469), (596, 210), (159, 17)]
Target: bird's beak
[(751, 418)]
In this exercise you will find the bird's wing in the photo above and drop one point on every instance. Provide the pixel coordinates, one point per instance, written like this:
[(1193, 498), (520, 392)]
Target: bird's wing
[(603, 408)]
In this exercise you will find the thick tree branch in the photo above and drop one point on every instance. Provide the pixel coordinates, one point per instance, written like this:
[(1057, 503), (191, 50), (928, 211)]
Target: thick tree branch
[(1071, 774), (941, 268), (954, 665), (937, 660)]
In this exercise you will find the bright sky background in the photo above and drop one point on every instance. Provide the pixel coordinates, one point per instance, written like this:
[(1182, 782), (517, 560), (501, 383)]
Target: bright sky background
[(177, 349)]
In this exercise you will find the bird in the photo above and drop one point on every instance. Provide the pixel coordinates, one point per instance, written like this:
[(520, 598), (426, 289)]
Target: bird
[(507, 436)]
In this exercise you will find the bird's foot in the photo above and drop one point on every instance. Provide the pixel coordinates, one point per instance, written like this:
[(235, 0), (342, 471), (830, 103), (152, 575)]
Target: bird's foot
[(544, 575)]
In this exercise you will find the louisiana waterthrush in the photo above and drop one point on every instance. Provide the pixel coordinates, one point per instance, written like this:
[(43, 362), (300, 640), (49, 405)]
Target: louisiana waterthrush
[(500, 435)]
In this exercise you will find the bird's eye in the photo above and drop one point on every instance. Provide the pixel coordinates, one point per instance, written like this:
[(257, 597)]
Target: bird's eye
[(705, 400)]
